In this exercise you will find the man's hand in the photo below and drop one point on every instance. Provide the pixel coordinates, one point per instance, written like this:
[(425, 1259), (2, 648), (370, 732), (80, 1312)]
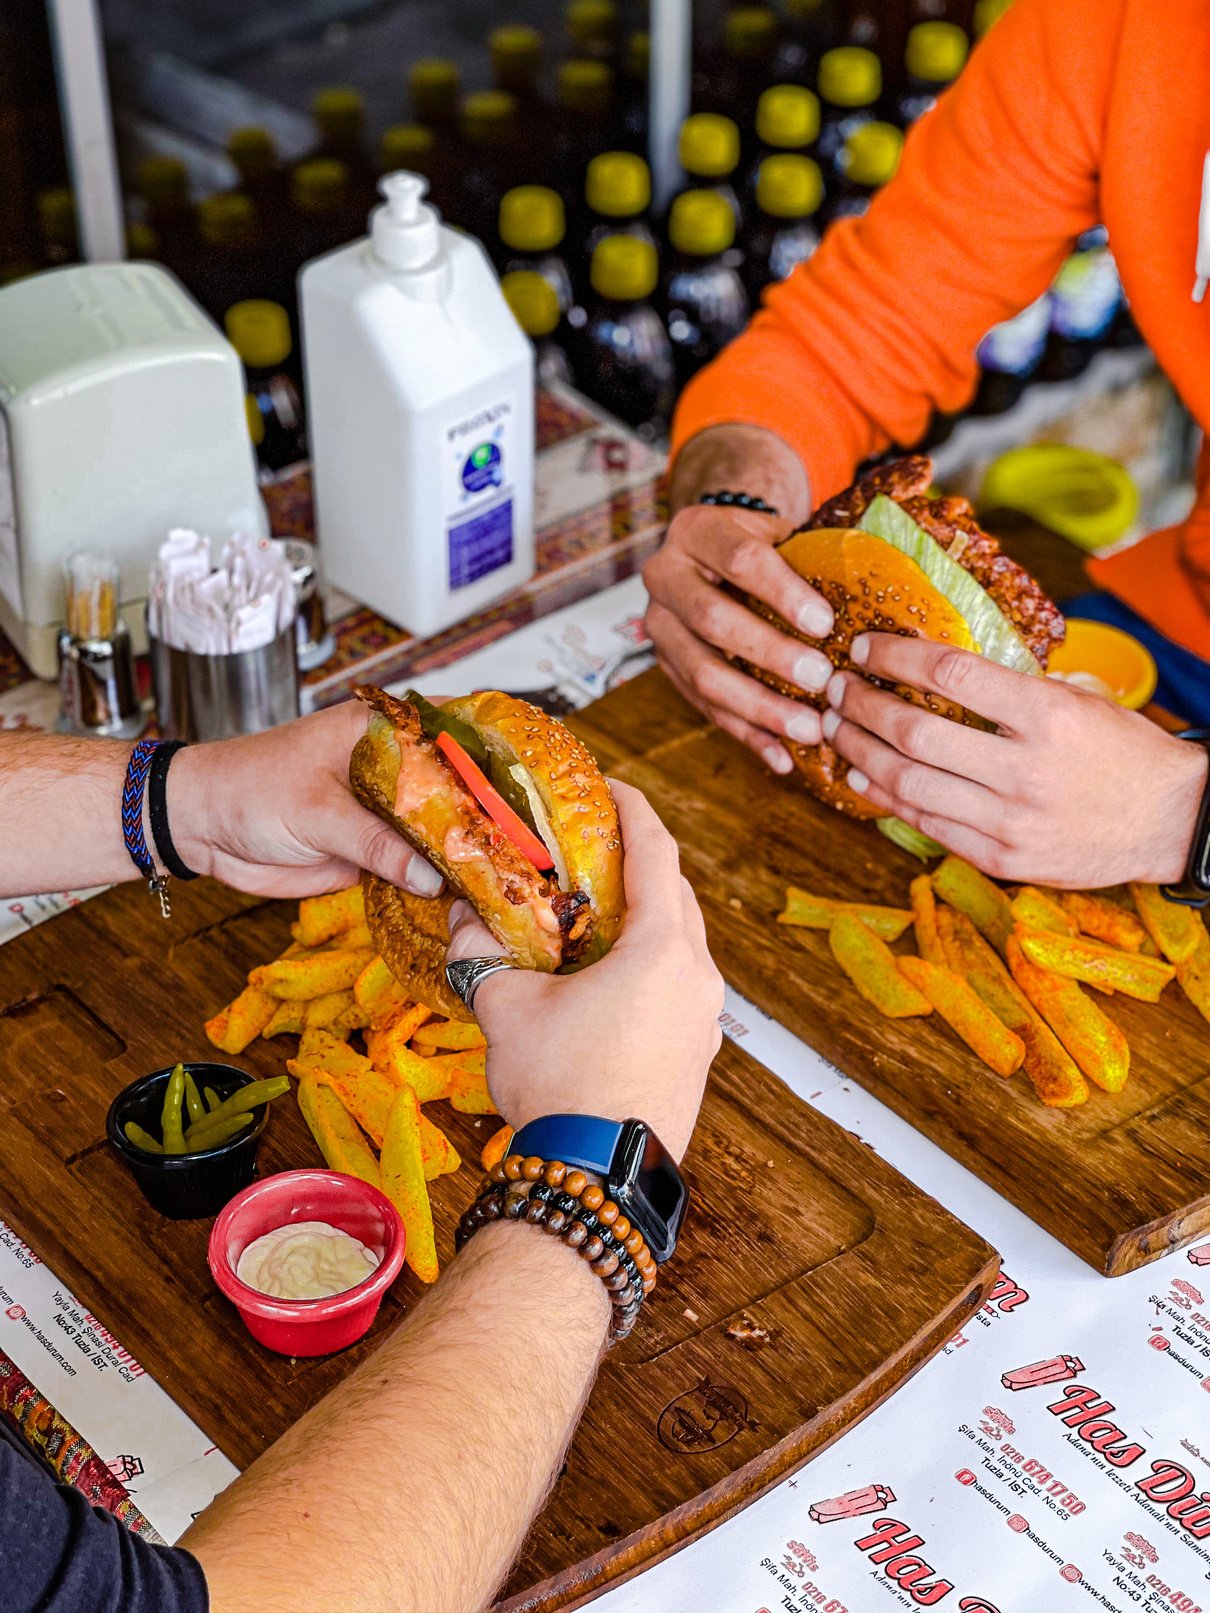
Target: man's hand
[(273, 813), (1071, 791), (630, 1036), (696, 626)]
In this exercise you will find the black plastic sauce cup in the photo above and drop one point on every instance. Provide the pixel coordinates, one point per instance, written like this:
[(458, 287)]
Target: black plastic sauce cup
[(186, 1187)]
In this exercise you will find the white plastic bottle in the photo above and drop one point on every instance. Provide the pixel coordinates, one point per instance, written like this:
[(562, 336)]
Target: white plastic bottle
[(420, 398)]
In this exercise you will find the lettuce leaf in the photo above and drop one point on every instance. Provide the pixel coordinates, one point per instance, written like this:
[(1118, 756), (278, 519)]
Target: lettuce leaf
[(908, 839), (990, 628)]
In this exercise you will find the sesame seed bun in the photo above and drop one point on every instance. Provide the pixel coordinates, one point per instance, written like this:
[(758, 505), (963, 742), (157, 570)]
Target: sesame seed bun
[(872, 587)]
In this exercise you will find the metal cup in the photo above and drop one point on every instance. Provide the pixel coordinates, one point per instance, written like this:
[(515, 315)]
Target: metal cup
[(96, 678), (315, 640), (201, 697)]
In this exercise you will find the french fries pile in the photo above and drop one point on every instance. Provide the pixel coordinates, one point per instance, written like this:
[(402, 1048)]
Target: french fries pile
[(1006, 971), (329, 985)]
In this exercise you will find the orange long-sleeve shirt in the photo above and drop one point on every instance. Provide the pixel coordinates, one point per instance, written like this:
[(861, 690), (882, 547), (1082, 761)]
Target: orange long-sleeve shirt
[(1070, 113)]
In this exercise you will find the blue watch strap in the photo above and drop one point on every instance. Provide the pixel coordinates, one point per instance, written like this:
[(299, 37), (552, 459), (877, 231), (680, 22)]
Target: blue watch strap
[(586, 1142)]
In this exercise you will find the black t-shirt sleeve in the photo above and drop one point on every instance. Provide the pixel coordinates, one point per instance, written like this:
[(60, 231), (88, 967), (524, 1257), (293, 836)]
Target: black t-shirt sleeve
[(58, 1554)]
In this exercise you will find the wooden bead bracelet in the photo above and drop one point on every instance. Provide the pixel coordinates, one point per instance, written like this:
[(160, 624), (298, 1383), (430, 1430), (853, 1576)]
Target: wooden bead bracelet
[(569, 1206)]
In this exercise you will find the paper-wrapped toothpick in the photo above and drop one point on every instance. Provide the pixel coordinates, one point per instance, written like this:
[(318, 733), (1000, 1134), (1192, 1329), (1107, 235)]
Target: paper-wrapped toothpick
[(243, 603)]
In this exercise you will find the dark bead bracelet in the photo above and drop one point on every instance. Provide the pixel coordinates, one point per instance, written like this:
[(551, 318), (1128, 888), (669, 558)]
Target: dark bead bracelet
[(738, 501), (562, 1216)]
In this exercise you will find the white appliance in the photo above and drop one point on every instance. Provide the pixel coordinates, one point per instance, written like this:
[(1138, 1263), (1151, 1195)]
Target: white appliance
[(121, 415)]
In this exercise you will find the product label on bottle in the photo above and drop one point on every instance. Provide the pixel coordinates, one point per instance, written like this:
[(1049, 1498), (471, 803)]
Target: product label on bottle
[(10, 559), (1086, 295), (1016, 346), (478, 493)]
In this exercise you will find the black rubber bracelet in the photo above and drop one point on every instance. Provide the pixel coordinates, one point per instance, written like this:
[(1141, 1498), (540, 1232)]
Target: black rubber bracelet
[(738, 501), (1195, 892), (157, 809)]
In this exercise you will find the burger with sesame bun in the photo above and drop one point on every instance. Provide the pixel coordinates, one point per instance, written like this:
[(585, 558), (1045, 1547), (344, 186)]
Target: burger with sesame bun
[(889, 558), (513, 812)]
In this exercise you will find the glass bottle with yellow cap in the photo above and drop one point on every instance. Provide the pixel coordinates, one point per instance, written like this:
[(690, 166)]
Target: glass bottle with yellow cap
[(435, 95), (787, 120), (415, 148), (729, 78), (339, 115), (56, 209), (784, 228), (850, 83), (703, 298), (617, 194), (262, 174), (592, 28), (869, 160), (634, 69), (809, 28), (936, 54), (709, 153), (259, 331), (516, 53), (536, 309), (531, 230), (585, 96), (621, 354), (491, 159), (324, 214), (232, 263), (163, 185)]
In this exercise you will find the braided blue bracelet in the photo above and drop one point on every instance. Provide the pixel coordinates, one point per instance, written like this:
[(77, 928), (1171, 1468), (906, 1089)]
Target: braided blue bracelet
[(133, 792)]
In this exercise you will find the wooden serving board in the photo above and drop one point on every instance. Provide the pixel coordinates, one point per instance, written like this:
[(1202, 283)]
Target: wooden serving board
[(1121, 1180), (857, 1276)]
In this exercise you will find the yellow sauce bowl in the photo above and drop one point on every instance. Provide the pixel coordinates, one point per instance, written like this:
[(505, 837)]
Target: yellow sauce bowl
[(1120, 662)]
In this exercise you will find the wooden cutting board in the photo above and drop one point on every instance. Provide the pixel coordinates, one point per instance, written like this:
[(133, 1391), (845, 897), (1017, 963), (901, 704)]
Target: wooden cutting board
[(856, 1276), (1121, 1179)]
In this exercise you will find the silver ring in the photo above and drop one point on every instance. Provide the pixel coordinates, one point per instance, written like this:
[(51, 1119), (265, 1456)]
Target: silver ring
[(468, 974)]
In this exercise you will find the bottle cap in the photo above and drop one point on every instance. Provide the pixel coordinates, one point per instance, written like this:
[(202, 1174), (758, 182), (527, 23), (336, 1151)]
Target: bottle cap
[(624, 267), (487, 114), (531, 218), (434, 85), (404, 231), (750, 32), (339, 113), (228, 219), (936, 51), (259, 331), (163, 180), (57, 215), (618, 184), (592, 24), (637, 63), (871, 154), (533, 300), (320, 185), (988, 12), (850, 76), (584, 85), (787, 116), (405, 145), (789, 186), (701, 223), (141, 241), (251, 149), (516, 53), (709, 145)]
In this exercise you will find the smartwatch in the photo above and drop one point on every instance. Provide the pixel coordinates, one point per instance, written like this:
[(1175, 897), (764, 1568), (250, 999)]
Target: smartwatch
[(1195, 892), (636, 1170)]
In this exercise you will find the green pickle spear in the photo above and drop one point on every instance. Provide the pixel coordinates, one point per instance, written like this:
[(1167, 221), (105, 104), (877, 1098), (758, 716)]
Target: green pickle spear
[(212, 1098), (193, 1100), (212, 1136), (142, 1139), (241, 1101), (171, 1119)]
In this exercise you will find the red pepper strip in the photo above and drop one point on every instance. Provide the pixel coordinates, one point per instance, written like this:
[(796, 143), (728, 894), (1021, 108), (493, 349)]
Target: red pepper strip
[(493, 803)]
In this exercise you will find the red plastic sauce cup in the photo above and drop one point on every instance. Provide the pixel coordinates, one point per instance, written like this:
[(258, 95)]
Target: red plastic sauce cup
[(308, 1326)]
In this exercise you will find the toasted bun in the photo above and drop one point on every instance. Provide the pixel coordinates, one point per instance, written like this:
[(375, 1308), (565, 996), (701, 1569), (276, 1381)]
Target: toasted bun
[(411, 934), (577, 799), (872, 587)]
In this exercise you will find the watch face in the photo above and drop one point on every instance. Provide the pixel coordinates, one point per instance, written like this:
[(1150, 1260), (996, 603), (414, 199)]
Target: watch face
[(650, 1190)]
